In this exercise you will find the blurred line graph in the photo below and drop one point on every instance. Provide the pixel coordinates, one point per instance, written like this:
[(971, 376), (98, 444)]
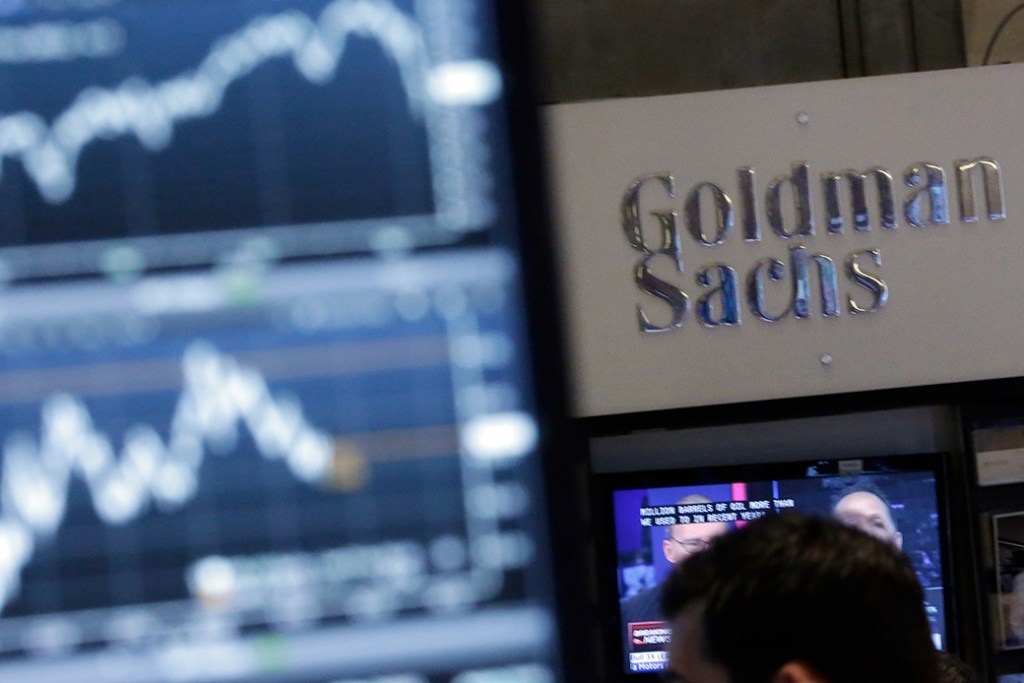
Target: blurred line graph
[(150, 112), (217, 395)]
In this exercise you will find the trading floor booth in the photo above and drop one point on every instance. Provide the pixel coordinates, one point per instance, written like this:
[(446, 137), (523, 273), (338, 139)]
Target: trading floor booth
[(777, 293)]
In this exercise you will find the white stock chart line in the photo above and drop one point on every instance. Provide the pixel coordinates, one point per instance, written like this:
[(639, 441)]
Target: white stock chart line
[(218, 394), (49, 152)]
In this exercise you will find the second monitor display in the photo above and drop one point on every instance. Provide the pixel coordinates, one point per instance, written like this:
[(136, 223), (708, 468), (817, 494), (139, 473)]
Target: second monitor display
[(660, 519)]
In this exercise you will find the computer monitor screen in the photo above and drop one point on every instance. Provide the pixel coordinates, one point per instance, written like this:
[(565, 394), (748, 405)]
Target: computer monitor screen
[(266, 399), (661, 518)]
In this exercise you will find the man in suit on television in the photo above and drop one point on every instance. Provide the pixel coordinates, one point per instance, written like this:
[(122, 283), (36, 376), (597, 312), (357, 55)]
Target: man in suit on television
[(681, 542)]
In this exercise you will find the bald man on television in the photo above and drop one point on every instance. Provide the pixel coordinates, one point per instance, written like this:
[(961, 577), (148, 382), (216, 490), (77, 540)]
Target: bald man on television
[(681, 542), (865, 507)]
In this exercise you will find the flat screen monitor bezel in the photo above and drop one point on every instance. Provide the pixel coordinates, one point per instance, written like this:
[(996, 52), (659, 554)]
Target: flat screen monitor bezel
[(526, 232)]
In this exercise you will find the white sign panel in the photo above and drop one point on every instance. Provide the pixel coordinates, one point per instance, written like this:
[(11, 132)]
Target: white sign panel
[(792, 240)]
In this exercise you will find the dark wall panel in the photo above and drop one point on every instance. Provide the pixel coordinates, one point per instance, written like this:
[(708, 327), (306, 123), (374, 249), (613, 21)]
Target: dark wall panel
[(593, 49)]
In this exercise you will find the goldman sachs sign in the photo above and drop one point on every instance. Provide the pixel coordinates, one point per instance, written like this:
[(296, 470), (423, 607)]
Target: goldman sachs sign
[(792, 240), (708, 215)]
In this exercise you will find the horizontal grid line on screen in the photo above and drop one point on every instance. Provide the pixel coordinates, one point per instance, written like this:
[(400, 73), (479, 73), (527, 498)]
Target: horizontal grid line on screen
[(119, 378)]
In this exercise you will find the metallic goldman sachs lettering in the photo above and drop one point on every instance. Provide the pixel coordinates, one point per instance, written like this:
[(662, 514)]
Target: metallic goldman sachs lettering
[(925, 204)]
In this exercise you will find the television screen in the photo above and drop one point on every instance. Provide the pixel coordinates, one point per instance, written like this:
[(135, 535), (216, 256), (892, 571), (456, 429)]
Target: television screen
[(267, 410), (661, 518)]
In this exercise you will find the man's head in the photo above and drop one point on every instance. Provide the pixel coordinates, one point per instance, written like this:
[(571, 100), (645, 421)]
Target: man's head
[(683, 540), (867, 508), (796, 599)]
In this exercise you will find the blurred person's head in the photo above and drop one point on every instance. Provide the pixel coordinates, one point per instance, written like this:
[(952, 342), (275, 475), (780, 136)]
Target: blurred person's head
[(796, 599), (683, 540), (867, 508)]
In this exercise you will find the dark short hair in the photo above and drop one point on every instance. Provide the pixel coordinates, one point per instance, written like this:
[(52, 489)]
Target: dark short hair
[(791, 587)]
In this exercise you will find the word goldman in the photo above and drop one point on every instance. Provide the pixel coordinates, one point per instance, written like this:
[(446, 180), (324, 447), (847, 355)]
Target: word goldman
[(924, 204)]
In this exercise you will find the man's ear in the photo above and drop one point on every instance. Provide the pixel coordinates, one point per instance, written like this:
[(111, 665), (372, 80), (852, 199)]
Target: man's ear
[(669, 551), (797, 672)]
